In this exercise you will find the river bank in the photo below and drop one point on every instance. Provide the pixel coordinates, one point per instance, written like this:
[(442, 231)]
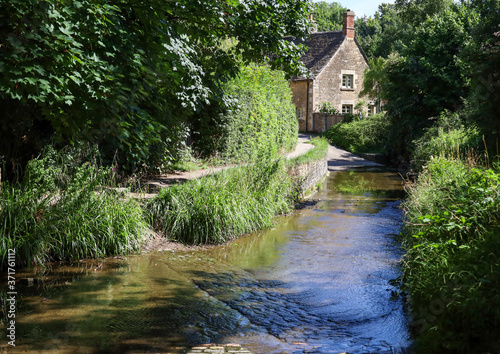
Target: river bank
[(315, 282), (336, 160)]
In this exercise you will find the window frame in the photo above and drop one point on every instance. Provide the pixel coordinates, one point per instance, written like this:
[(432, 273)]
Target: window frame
[(348, 81), (350, 108)]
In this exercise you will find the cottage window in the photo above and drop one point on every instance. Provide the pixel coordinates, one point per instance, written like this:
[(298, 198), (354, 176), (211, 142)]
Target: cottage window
[(347, 109), (300, 113), (348, 81)]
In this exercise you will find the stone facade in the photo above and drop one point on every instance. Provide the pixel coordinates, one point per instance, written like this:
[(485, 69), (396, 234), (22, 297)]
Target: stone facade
[(337, 64), (303, 102), (328, 84)]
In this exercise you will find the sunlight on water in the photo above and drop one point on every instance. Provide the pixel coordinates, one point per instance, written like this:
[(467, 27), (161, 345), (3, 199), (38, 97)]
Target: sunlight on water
[(317, 282)]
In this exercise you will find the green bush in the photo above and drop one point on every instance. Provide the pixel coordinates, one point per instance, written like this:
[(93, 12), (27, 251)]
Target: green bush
[(328, 108), (448, 137), (225, 205), (452, 266), (255, 118), (58, 213), (360, 135)]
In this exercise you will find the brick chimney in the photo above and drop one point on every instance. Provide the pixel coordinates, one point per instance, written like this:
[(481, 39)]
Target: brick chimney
[(314, 24), (348, 29)]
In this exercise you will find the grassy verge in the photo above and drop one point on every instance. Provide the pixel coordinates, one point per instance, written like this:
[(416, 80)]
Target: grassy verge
[(56, 213), (64, 210), (233, 202), (225, 205), (317, 153), (360, 135), (452, 265)]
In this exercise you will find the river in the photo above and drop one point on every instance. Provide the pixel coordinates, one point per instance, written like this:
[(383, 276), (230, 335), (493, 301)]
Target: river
[(318, 282)]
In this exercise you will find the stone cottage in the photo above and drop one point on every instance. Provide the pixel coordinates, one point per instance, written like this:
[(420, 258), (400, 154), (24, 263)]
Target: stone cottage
[(336, 64)]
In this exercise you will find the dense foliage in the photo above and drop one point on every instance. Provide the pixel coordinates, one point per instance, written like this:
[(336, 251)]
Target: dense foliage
[(449, 137), (428, 77), (328, 16), (359, 135), (255, 118), (452, 266), (383, 34), (125, 73), (58, 212)]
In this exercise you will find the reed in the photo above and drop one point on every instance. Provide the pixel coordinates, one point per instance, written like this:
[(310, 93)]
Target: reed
[(60, 211)]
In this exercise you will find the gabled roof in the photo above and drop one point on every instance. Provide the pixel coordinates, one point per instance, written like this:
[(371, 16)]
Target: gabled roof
[(322, 47)]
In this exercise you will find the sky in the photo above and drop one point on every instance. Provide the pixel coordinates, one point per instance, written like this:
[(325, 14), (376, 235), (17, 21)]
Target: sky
[(361, 7)]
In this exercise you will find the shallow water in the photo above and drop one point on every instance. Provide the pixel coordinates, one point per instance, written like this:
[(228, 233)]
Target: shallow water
[(317, 283)]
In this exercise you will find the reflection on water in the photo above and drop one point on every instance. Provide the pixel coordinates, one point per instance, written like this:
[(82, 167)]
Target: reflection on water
[(317, 282)]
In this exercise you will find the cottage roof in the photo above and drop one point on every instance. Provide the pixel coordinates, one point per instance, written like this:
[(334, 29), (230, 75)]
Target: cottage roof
[(322, 47)]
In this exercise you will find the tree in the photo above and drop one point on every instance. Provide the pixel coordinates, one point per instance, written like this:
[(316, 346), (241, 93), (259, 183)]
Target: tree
[(122, 73), (328, 16), (483, 54), (373, 80), (384, 33), (415, 12), (429, 76)]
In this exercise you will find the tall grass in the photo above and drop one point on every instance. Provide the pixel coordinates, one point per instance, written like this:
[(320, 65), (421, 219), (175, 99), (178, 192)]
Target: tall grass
[(225, 205), (448, 137), (452, 265), (60, 211)]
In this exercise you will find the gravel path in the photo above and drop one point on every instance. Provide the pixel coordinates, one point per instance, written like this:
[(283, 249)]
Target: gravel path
[(153, 185)]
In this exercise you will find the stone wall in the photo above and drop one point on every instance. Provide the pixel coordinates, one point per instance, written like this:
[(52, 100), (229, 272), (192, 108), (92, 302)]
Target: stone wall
[(310, 173)]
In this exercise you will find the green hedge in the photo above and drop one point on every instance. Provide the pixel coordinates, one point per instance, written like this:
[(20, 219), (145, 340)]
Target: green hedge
[(255, 118)]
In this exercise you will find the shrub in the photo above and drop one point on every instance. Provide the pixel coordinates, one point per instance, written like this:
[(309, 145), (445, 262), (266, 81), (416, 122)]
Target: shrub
[(328, 108), (56, 213), (452, 266), (360, 134), (448, 137)]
